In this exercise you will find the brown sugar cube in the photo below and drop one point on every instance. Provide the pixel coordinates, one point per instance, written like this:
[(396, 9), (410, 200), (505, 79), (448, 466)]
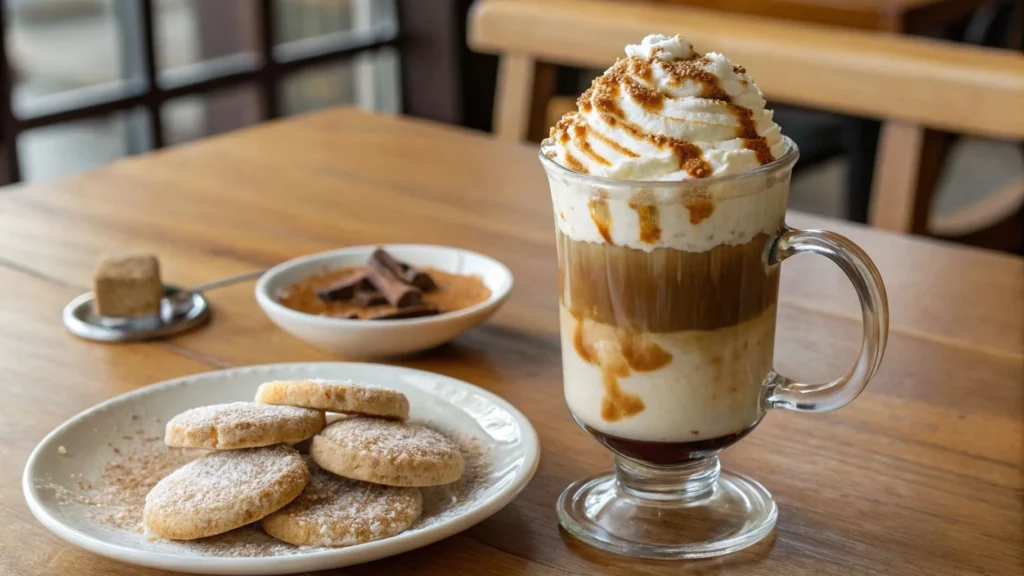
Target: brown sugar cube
[(128, 286)]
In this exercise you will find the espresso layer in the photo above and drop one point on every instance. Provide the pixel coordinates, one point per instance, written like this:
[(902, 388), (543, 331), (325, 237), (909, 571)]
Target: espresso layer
[(666, 290)]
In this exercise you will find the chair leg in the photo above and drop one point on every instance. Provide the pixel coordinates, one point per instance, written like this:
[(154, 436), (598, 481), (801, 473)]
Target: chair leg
[(894, 190), (907, 170), (524, 88)]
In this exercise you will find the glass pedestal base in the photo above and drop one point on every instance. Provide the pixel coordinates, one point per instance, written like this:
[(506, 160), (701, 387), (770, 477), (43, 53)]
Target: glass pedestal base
[(689, 511)]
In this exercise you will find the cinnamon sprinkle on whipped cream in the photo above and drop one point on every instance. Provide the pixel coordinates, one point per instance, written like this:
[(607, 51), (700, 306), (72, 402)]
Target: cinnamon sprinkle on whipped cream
[(666, 112)]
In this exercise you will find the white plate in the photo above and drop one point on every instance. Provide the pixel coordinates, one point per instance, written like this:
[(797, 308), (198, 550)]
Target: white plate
[(90, 438), (370, 339)]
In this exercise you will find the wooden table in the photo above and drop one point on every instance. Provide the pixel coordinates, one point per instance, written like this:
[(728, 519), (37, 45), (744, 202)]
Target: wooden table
[(921, 475)]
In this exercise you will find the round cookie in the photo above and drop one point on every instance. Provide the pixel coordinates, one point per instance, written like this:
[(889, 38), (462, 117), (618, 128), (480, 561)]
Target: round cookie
[(343, 397), (336, 511), (242, 425), (387, 452), (223, 491)]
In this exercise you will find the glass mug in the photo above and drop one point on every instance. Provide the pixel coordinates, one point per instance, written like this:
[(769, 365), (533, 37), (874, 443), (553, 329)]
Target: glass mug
[(668, 295)]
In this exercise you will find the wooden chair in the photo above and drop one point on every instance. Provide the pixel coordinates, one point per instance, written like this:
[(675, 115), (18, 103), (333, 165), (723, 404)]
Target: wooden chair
[(910, 83)]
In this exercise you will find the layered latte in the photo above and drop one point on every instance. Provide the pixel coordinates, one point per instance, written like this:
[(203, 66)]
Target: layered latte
[(663, 224)]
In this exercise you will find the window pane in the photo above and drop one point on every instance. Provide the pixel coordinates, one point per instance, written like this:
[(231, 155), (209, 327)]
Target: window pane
[(369, 79), (195, 117), (301, 19), (317, 87), (72, 147), (62, 53), (196, 38)]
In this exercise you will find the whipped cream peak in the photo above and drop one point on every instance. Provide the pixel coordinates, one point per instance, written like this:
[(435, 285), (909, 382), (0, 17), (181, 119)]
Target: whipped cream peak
[(662, 47), (666, 112)]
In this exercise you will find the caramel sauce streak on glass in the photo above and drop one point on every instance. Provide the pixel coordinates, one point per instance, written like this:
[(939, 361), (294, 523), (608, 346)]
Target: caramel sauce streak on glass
[(700, 209), (640, 355), (616, 403), (601, 215), (647, 214)]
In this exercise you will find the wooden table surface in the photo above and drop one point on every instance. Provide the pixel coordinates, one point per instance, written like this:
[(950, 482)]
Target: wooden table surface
[(921, 475)]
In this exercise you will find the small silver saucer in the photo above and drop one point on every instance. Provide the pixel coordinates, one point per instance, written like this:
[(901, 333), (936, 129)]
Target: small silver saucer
[(82, 320)]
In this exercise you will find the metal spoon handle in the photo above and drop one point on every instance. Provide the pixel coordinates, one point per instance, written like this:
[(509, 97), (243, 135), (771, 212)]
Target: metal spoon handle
[(228, 281)]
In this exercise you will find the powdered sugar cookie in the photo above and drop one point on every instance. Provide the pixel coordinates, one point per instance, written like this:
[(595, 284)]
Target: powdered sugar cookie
[(242, 425), (343, 397), (336, 511), (387, 452), (223, 491)]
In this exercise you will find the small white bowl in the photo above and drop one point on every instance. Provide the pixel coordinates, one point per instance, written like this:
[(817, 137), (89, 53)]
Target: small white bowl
[(377, 338)]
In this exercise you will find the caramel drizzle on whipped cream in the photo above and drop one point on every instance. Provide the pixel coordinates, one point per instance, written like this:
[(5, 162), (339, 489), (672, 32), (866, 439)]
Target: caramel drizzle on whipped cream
[(634, 76), (626, 75)]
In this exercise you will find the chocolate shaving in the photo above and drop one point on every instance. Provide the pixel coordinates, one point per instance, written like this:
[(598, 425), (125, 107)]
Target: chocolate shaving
[(343, 290), (419, 279), (392, 285), (383, 280), (407, 273), (388, 261), (344, 315), (414, 311), (366, 298)]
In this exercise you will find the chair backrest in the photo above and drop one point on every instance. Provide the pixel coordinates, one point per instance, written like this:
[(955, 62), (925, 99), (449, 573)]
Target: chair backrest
[(913, 80)]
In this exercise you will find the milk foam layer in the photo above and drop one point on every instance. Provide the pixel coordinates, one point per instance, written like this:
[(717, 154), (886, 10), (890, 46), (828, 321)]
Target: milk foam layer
[(711, 387), (725, 213), (667, 113)]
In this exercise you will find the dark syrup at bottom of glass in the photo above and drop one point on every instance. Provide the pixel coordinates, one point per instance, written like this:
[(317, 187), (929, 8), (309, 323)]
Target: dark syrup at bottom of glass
[(666, 453)]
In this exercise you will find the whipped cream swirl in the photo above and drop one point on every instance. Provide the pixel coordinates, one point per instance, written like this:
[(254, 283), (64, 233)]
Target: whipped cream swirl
[(667, 113)]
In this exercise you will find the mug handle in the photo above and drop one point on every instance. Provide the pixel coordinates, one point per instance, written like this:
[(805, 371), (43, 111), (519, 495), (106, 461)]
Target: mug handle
[(782, 392)]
